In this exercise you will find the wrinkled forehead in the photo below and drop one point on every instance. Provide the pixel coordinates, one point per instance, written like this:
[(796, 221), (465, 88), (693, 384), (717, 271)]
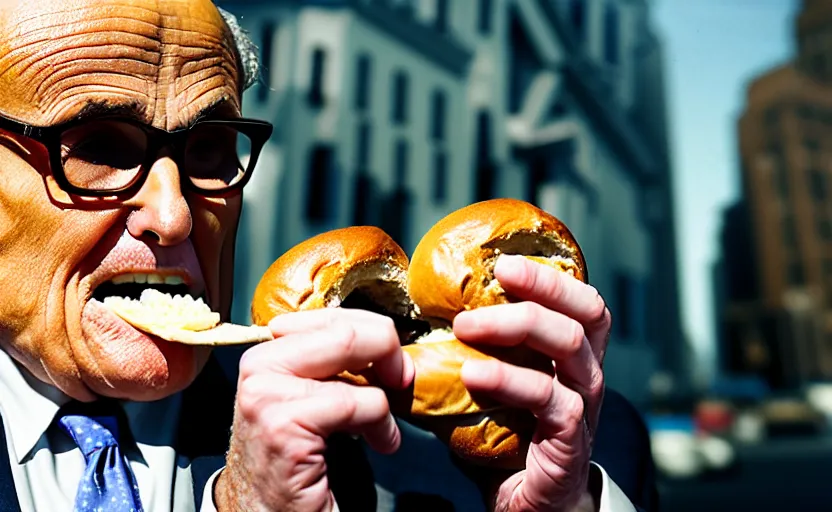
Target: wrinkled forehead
[(167, 59)]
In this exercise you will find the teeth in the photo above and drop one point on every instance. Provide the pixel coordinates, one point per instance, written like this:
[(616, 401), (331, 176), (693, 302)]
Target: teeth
[(126, 278), (149, 279), (174, 280), (155, 308)]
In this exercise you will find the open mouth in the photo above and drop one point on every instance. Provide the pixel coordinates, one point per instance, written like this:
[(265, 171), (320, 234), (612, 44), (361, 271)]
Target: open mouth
[(151, 301), (131, 286)]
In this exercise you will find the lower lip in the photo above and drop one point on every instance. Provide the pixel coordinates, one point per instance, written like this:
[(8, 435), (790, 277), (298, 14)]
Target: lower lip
[(106, 332)]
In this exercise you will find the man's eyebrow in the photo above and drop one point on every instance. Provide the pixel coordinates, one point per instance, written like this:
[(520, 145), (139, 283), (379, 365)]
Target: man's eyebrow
[(95, 109), (209, 110)]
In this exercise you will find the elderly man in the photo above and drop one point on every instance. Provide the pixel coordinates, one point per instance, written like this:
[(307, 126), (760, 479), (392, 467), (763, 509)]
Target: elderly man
[(120, 150)]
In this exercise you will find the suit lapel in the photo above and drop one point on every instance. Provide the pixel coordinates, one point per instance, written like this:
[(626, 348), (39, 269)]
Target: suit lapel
[(8, 494)]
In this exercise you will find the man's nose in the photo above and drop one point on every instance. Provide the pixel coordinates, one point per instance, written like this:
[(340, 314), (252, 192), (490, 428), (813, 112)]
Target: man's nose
[(161, 212)]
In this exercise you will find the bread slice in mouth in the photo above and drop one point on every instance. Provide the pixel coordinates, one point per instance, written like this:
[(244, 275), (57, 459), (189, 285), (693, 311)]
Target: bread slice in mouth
[(182, 319)]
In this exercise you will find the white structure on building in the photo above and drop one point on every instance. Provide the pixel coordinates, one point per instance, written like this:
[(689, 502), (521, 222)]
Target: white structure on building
[(395, 113)]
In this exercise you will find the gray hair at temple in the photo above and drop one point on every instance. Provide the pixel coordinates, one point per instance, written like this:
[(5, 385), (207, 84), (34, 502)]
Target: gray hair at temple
[(249, 60)]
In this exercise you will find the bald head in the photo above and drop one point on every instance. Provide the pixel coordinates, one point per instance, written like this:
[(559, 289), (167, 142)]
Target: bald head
[(168, 59)]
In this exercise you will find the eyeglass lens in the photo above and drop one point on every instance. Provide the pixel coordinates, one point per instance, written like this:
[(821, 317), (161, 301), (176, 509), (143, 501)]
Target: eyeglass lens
[(109, 154)]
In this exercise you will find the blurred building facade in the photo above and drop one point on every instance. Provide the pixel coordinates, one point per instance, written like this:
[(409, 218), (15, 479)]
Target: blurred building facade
[(396, 112), (777, 240)]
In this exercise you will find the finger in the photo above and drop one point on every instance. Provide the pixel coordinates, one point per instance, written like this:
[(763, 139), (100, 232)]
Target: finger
[(261, 389), (549, 332), (338, 407), (313, 320), (513, 386), (530, 389), (558, 291), (324, 353), (559, 457)]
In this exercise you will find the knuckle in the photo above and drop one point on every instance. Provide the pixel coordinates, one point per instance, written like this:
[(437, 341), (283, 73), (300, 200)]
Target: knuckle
[(387, 323), (378, 401), (347, 401), (599, 306), (278, 427), (557, 285), (576, 339), (529, 313), (343, 335), (543, 394), (597, 382), (247, 365), (574, 408), (248, 404)]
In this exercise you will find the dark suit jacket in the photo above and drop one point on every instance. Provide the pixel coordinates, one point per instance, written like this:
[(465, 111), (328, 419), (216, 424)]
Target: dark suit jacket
[(622, 447)]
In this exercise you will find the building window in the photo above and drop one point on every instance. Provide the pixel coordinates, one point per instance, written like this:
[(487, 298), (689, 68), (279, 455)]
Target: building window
[(817, 185), (401, 93), (781, 174), (825, 228), (577, 16), (485, 16), (789, 232), (363, 146), (772, 117), (362, 214), (485, 170), (316, 79), (812, 149), (401, 163), (322, 185), (438, 108), (796, 275), (611, 33), (441, 20), (267, 32), (440, 176), (363, 72), (523, 63)]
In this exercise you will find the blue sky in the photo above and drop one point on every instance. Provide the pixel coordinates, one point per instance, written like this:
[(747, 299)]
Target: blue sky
[(713, 47)]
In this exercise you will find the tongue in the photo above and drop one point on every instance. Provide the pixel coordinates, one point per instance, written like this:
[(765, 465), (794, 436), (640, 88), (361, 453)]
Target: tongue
[(102, 327)]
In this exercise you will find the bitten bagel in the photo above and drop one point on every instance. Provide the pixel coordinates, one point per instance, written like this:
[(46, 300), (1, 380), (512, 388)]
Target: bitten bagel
[(451, 271)]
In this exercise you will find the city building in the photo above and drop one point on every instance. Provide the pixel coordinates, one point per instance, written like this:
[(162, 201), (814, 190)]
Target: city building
[(777, 322), (394, 113)]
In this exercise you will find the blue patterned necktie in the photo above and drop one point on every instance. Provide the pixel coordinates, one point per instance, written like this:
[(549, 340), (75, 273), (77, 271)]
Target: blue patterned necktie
[(108, 483)]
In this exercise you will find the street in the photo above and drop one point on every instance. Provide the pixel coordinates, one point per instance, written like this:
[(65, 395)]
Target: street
[(782, 475)]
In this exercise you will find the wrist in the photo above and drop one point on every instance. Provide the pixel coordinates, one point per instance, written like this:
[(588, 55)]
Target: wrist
[(222, 493)]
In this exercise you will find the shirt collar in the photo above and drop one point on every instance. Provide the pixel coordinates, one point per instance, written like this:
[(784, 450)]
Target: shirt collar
[(27, 404)]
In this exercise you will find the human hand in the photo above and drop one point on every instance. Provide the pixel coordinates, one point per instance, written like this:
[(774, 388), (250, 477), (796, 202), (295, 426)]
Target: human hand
[(569, 322), (287, 407)]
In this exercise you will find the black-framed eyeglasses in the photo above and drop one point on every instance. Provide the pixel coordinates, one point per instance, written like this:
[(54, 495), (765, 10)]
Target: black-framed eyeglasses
[(111, 156)]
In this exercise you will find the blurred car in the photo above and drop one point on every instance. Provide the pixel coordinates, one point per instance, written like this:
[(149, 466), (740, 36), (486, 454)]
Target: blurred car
[(713, 416), (682, 451), (787, 416)]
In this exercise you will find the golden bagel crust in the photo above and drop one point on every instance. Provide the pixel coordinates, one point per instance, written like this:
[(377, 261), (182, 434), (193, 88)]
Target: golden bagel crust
[(304, 277), (451, 269)]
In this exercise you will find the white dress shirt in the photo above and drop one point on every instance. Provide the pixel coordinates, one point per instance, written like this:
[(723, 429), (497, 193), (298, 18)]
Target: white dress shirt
[(47, 465)]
